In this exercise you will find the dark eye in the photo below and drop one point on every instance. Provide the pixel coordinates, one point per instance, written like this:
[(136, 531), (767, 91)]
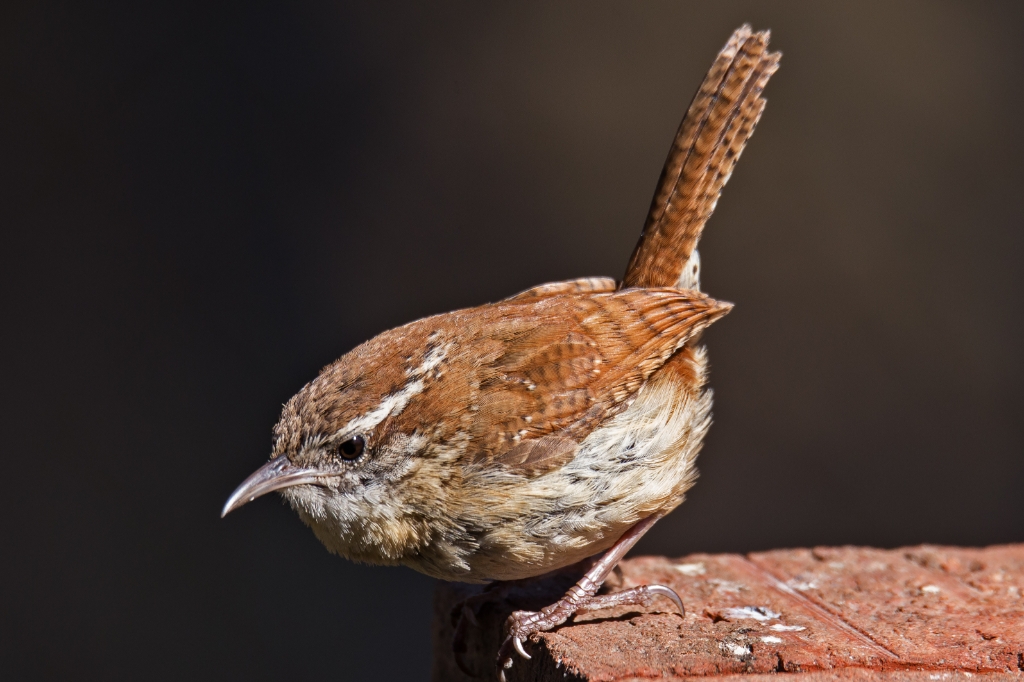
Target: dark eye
[(352, 448)]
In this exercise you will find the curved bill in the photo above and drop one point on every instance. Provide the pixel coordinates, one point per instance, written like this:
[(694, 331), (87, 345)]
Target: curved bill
[(276, 474)]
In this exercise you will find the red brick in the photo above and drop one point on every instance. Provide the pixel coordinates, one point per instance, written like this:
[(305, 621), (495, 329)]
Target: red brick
[(908, 612), (909, 604)]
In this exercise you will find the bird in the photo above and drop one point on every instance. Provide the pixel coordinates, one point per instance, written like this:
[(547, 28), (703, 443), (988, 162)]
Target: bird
[(511, 439)]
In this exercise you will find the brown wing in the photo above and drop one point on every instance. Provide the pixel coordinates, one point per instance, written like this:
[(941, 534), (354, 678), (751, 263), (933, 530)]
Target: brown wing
[(711, 137), (583, 285), (537, 455), (573, 361)]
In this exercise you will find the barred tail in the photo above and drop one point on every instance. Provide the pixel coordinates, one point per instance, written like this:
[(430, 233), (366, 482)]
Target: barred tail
[(711, 137)]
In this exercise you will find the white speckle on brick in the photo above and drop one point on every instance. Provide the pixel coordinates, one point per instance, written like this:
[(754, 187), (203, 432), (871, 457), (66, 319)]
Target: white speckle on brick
[(727, 586), (770, 639), (803, 586), (758, 613), (931, 589), (779, 627), (692, 569), (739, 650)]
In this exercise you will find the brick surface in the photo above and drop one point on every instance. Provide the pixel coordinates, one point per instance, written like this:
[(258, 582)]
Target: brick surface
[(826, 613)]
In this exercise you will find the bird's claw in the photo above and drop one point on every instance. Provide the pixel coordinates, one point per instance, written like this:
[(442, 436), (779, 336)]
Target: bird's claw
[(518, 644), (671, 594), (505, 659)]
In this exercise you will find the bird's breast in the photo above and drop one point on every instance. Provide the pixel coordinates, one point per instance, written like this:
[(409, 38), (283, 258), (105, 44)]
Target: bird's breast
[(505, 524)]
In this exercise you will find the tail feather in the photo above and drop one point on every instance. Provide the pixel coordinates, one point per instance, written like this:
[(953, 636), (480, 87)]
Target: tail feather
[(710, 139)]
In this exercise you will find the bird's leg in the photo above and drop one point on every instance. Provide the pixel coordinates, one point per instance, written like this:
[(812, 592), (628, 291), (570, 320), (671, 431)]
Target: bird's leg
[(581, 597)]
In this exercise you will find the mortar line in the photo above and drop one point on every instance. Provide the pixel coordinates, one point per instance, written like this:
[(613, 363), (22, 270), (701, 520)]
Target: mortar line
[(833, 619)]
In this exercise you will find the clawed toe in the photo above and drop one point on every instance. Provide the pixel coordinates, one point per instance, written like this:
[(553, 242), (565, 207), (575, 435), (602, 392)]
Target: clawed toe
[(671, 594), (505, 656), (518, 644), (518, 627)]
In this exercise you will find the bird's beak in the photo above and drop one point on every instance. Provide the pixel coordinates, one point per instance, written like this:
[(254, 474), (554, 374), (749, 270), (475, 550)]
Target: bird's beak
[(276, 474)]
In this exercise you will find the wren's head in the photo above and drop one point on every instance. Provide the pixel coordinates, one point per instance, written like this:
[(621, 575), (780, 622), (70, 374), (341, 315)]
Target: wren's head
[(345, 447)]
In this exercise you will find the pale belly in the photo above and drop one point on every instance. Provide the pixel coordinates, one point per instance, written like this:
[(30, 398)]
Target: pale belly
[(640, 463)]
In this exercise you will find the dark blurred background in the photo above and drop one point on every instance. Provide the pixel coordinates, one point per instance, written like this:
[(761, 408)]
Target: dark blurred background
[(203, 204)]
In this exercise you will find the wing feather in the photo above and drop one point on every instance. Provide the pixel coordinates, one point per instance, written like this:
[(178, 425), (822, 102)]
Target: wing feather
[(582, 360)]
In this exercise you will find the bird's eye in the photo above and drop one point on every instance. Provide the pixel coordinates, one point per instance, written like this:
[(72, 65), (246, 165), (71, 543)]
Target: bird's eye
[(352, 448)]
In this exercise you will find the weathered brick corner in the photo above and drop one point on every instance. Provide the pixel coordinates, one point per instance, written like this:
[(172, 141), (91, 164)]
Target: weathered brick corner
[(848, 613)]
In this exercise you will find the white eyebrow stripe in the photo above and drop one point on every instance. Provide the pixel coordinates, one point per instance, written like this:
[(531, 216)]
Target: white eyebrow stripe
[(393, 403)]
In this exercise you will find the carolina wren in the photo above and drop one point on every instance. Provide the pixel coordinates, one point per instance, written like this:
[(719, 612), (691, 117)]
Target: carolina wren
[(507, 440)]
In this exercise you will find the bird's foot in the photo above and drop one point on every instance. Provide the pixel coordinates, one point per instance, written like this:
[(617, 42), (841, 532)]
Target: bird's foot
[(522, 625)]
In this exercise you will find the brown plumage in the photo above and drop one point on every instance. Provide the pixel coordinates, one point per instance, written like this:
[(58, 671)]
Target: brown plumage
[(503, 441)]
